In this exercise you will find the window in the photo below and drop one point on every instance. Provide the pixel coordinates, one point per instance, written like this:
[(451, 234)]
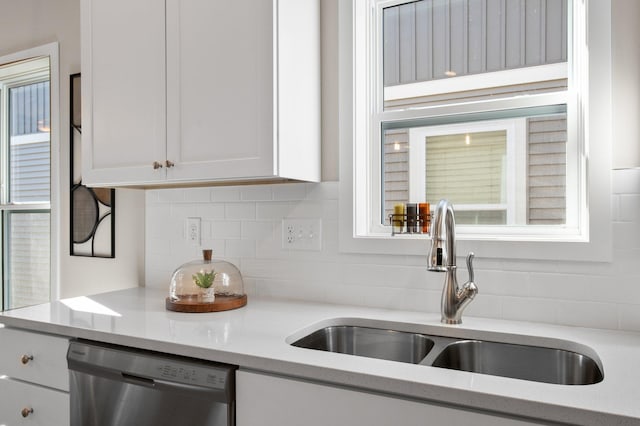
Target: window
[(25, 193), (489, 104), (435, 54), (444, 70)]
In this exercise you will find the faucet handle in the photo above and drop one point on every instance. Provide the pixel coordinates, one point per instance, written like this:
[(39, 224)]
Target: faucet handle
[(470, 257)]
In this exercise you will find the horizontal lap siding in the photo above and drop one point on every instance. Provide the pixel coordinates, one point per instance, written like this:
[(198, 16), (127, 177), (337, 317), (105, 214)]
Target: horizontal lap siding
[(547, 170), (396, 169), (30, 172), (28, 265)]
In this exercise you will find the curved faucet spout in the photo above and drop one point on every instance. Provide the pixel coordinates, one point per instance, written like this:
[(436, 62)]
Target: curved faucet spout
[(442, 258)]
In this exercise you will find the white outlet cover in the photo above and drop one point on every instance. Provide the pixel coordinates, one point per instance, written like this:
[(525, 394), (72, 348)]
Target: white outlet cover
[(302, 234), (193, 230)]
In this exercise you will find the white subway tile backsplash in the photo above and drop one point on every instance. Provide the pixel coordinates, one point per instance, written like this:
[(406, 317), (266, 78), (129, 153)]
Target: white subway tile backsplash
[(629, 205), (256, 193), (225, 229), (289, 192), (274, 210), (171, 195), (240, 211), (197, 195), (322, 191), (211, 211), (628, 317), (626, 235), (588, 314), (240, 248), (626, 181), (225, 194), (257, 231), (530, 309), (243, 224)]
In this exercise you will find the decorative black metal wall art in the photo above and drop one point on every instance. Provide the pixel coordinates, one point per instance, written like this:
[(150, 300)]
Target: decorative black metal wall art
[(92, 210)]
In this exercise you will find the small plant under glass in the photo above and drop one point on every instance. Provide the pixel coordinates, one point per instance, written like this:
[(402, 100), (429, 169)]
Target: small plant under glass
[(206, 285), (204, 280)]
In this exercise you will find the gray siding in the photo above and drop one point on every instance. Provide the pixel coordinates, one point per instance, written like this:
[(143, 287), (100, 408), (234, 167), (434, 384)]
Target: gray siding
[(29, 166), (424, 39), (547, 170), (29, 106), (396, 169), (27, 280)]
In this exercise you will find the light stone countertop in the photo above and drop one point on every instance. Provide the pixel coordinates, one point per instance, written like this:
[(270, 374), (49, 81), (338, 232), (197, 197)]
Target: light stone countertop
[(257, 337)]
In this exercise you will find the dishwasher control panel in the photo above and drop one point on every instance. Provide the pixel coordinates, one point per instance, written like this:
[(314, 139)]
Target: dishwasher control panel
[(196, 375), (151, 365)]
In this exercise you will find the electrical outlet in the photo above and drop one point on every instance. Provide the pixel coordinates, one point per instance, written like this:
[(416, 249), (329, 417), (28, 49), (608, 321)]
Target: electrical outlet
[(302, 234), (193, 231)]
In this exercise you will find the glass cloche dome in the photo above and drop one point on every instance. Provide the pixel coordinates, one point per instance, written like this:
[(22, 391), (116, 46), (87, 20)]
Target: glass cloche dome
[(206, 281)]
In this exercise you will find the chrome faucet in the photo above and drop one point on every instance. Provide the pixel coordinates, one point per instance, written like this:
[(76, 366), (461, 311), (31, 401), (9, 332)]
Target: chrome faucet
[(442, 258)]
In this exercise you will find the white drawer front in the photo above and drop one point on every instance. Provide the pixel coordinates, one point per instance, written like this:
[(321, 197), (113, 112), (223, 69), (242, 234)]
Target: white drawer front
[(34, 357), (50, 407)]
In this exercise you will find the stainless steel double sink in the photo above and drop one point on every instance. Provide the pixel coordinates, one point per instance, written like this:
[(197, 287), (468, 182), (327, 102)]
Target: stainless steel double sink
[(518, 361)]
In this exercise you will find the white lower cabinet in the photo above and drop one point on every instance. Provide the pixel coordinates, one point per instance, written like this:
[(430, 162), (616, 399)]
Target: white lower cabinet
[(265, 400), (34, 379), (26, 403)]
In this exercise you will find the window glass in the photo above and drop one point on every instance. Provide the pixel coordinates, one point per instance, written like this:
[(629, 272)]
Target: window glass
[(509, 171), (29, 143), (25, 171), (439, 39), (438, 56), (27, 250)]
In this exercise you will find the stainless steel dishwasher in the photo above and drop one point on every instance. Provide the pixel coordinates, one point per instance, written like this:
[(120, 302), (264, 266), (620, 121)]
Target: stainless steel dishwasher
[(116, 386)]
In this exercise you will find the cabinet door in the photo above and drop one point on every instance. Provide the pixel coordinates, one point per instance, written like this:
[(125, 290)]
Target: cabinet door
[(123, 91), (220, 122), (44, 407), (274, 401), (34, 357)]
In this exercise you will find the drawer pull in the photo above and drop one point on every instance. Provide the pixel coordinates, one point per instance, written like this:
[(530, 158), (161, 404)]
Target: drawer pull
[(26, 411), (169, 164), (24, 359), (156, 165)]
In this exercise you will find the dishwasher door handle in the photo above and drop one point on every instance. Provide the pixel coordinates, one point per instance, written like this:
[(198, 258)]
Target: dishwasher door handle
[(214, 394), (137, 380)]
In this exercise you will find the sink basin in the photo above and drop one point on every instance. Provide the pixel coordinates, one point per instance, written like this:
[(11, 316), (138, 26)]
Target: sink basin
[(520, 362), (517, 357), (369, 342)]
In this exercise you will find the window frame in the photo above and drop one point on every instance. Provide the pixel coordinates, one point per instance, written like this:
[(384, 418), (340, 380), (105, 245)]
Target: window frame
[(590, 59), (52, 51), (515, 204)]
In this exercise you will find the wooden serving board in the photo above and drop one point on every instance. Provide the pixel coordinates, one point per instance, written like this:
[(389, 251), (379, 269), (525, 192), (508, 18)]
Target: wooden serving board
[(192, 304)]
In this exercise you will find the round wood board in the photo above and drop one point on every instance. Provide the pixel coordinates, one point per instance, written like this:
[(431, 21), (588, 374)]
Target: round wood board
[(191, 304)]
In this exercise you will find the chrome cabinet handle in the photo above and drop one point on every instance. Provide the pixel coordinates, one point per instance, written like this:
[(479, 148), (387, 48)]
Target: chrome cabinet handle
[(157, 165), (26, 411), (169, 164), (24, 359)]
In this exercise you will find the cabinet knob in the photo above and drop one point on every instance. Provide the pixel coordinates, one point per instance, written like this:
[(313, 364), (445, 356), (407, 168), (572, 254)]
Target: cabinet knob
[(26, 411), (157, 165), (169, 164), (24, 359)]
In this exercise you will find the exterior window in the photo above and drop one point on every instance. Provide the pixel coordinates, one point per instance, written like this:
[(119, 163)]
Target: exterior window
[(474, 101), (25, 198)]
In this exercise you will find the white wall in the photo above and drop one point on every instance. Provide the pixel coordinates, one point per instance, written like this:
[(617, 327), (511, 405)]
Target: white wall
[(28, 23), (243, 225)]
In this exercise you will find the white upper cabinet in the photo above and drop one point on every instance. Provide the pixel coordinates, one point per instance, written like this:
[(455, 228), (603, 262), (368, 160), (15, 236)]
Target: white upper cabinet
[(190, 91), (123, 91)]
